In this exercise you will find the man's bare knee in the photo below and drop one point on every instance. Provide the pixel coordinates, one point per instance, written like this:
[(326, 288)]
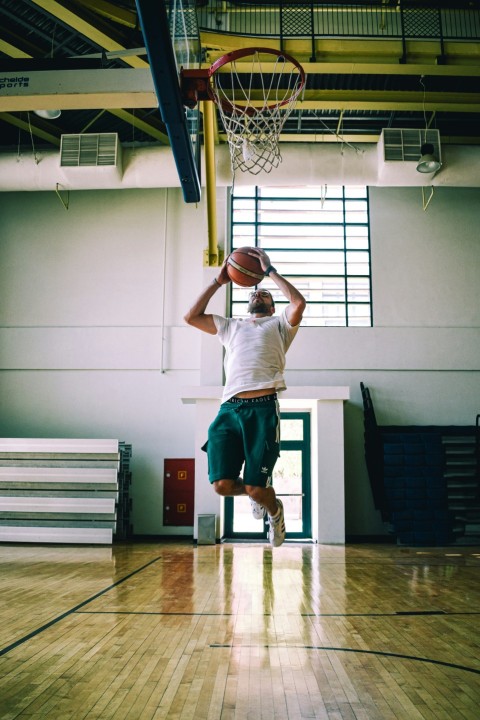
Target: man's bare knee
[(259, 493), (264, 496), (221, 487), (256, 493), (227, 488)]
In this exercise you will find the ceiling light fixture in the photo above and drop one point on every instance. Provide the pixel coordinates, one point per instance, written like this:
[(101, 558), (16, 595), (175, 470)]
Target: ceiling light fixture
[(428, 163), (48, 114)]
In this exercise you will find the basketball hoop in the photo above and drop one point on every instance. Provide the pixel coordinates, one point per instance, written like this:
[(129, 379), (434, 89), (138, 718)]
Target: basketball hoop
[(255, 90), (255, 98)]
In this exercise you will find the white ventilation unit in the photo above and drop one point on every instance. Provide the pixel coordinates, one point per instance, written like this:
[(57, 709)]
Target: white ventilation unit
[(404, 145), (101, 151), (398, 152)]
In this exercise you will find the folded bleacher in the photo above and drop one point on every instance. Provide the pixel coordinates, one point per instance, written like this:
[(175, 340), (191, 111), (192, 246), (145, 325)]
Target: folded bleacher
[(64, 490)]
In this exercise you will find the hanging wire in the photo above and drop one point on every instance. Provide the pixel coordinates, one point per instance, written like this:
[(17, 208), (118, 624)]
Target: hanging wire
[(65, 202), (35, 157), (432, 117), (425, 201), (53, 40), (19, 154), (339, 132), (423, 102), (340, 137)]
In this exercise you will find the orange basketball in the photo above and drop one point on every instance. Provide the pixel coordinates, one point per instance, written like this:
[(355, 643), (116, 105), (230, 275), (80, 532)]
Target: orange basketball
[(244, 269)]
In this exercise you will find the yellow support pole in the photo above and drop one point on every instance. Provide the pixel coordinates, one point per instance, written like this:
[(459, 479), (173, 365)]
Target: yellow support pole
[(212, 255)]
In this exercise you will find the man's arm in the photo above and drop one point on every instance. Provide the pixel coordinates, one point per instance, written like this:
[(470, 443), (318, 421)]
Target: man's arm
[(297, 302), (196, 316)]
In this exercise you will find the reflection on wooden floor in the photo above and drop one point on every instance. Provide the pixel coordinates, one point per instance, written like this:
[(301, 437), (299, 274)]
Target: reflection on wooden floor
[(149, 631)]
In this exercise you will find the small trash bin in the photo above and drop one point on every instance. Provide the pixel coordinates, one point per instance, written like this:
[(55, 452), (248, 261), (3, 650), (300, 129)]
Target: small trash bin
[(206, 529)]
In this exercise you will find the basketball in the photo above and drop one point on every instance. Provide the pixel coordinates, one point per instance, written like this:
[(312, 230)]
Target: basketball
[(244, 269)]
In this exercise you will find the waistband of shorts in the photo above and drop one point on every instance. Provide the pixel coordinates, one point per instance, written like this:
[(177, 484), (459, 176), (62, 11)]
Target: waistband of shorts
[(252, 401)]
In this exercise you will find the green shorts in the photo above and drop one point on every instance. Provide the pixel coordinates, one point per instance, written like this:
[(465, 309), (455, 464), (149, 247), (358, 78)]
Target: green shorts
[(244, 431)]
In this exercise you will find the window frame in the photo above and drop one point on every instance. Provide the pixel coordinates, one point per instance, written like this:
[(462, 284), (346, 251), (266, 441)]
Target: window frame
[(328, 282)]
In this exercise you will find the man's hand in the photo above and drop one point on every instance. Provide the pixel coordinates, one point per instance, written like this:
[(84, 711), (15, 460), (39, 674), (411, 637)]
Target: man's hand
[(223, 277), (262, 256), (197, 315)]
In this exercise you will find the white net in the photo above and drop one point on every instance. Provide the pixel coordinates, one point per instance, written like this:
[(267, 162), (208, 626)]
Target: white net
[(255, 96)]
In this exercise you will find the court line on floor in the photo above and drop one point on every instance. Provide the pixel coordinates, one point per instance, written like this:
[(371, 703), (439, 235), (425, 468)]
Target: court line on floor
[(398, 613), (25, 638), (355, 650), (154, 612)]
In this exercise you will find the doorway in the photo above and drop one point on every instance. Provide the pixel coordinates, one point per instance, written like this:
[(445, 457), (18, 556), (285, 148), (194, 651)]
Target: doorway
[(292, 483)]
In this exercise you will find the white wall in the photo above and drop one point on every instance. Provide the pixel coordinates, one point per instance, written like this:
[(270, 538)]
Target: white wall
[(92, 342), (83, 349)]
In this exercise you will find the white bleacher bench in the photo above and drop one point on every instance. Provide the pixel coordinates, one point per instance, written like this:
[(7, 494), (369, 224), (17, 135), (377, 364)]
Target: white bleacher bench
[(63, 490)]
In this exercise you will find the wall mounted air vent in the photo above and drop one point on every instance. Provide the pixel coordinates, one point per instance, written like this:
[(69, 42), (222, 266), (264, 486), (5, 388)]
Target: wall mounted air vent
[(90, 150), (404, 145)]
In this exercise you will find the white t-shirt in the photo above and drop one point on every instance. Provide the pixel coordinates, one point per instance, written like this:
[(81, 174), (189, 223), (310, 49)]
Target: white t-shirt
[(255, 352)]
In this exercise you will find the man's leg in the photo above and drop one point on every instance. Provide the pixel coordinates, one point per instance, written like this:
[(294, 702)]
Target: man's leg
[(229, 488), (276, 518), (234, 488), (263, 496), (261, 434)]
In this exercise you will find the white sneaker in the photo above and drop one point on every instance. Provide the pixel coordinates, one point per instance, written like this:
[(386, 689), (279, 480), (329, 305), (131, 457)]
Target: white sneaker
[(258, 511), (276, 532)]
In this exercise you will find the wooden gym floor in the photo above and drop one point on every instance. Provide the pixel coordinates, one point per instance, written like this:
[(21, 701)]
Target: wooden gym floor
[(149, 631)]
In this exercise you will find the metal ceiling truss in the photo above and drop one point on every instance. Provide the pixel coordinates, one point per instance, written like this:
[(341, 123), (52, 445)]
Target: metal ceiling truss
[(355, 86), (85, 31)]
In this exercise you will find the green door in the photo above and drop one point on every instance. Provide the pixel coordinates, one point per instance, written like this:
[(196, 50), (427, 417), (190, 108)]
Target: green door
[(291, 480)]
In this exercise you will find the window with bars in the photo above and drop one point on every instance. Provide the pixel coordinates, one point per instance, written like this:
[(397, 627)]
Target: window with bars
[(319, 239)]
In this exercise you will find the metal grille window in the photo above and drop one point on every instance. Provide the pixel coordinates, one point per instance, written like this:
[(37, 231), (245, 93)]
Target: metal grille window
[(318, 238)]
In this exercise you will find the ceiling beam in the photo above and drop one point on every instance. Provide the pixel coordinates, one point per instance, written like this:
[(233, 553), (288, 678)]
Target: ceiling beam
[(11, 50), (354, 68), (126, 116), (78, 90), (138, 122), (370, 100), (342, 68), (357, 51), (112, 12), (19, 46), (388, 100), (87, 25), (356, 139), (28, 127), (149, 128)]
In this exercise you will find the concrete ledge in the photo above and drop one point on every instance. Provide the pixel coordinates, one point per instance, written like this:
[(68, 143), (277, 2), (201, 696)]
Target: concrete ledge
[(295, 392)]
